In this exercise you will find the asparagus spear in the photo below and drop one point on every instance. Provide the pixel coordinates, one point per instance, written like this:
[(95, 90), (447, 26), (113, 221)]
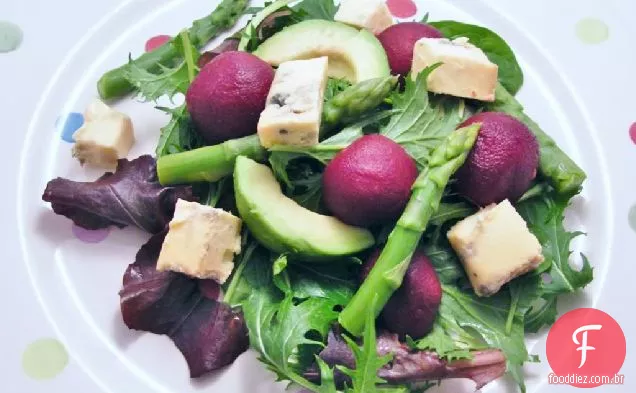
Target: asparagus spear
[(388, 272), (357, 100), (214, 162), (209, 163), (554, 164), (114, 84)]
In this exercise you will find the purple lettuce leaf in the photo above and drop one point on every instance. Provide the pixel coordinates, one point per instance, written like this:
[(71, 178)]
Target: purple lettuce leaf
[(410, 367), (209, 334), (130, 196)]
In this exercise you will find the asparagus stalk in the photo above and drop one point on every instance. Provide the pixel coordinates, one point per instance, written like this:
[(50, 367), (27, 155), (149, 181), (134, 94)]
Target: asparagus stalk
[(554, 164), (388, 272), (357, 100), (210, 163), (214, 162), (113, 84)]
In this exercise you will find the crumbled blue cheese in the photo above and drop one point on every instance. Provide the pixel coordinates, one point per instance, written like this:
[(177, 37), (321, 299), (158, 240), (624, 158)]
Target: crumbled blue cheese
[(293, 111), (106, 136), (201, 242), (373, 15), (495, 246), (465, 70)]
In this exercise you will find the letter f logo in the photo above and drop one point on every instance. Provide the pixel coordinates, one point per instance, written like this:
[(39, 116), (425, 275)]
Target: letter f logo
[(583, 344)]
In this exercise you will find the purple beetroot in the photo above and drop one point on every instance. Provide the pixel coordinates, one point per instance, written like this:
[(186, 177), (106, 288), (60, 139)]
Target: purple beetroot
[(227, 97), (399, 40), (369, 182), (413, 307), (503, 162)]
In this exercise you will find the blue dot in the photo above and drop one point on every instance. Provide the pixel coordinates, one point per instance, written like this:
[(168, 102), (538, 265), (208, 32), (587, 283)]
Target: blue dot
[(71, 122)]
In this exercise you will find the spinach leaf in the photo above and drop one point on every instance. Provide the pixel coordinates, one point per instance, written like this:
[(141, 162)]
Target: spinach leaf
[(317, 9), (420, 123), (554, 164), (447, 265), (495, 47), (450, 211)]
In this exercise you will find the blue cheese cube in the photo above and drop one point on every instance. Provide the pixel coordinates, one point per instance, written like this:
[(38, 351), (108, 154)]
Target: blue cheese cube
[(293, 111), (495, 246), (106, 136), (465, 70), (373, 15), (201, 242)]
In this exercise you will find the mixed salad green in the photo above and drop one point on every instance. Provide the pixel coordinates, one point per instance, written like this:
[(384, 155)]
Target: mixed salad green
[(313, 320)]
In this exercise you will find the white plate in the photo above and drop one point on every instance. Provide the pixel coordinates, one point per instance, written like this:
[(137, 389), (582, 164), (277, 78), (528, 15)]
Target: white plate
[(63, 289)]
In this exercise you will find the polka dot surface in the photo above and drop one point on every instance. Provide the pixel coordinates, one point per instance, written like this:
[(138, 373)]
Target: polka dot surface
[(632, 132), (592, 31), (90, 236), (70, 123), (632, 217), (10, 36), (402, 8), (44, 359), (156, 42)]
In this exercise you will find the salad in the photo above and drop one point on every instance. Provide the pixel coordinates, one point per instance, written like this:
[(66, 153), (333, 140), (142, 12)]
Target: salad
[(363, 202)]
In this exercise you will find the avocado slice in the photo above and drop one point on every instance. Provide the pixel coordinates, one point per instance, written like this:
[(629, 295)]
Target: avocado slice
[(354, 55), (282, 225)]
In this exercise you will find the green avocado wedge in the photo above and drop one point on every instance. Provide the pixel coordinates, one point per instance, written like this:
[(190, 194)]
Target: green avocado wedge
[(283, 226), (354, 55)]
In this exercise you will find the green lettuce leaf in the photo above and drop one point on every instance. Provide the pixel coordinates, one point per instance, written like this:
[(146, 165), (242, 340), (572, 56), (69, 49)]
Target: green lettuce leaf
[(317, 9), (167, 81), (544, 216), (288, 308), (179, 134), (364, 379), (542, 313), (486, 319), (495, 47), (420, 123), (278, 326)]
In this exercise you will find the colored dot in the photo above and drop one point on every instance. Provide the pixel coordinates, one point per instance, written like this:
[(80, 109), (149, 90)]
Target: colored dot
[(632, 132), (71, 122), (632, 217), (44, 359), (90, 236), (10, 36), (402, 8), (156, 42), (592, 31)]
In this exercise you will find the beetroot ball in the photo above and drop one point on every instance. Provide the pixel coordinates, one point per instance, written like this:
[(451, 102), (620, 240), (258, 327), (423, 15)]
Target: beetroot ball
[(399, 40), (412, 309), (502, 164), (369, 182), (227, 97)]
